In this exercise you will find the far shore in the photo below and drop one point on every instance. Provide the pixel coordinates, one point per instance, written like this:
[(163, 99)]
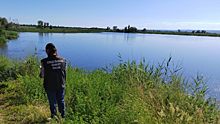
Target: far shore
[(99, 30)]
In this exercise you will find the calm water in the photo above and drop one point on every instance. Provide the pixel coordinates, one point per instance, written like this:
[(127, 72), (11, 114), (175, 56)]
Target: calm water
[(94, 50)]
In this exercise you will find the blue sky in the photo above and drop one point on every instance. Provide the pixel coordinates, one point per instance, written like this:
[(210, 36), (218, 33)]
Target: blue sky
[(149, 14)]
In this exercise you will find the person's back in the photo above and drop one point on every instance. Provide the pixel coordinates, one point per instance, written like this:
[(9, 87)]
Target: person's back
[(53, 70)]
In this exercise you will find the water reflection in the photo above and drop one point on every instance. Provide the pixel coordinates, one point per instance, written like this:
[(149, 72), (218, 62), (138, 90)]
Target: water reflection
[(3, 47), (41, 34), (43, 37)]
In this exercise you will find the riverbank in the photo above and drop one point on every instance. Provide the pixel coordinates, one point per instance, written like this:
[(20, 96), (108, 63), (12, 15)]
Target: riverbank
[(7, 35), (128, 93), (99, 30), (182, 33), (55, 30)]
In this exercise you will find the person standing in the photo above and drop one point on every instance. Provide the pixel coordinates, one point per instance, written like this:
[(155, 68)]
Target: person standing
[(53, 70)]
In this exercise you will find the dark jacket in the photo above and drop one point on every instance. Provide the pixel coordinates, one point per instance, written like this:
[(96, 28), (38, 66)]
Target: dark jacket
[(54, 72)]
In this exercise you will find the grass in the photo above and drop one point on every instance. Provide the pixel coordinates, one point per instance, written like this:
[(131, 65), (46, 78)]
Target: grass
[(128, 93), (3, 40), (7, 35), (54, 30)]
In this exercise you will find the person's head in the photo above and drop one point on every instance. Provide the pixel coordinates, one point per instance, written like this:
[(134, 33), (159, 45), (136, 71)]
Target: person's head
[(51, 49)]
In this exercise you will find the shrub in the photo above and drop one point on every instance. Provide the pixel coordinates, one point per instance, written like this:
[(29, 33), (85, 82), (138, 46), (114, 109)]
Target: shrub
[(7, 35), (3, 40)]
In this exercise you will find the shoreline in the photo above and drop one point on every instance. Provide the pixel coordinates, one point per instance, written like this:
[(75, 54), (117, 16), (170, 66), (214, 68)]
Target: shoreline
[(81, 30), (185, 34)]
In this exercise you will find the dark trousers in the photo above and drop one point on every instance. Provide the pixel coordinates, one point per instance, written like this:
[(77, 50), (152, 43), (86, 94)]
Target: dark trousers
[(54, 97)]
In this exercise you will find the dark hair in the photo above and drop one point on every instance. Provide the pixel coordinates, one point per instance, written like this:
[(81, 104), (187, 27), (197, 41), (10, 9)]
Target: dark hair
[(52, 49)]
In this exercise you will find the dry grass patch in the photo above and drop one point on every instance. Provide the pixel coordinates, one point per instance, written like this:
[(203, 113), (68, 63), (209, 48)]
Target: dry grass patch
[(27, 114)]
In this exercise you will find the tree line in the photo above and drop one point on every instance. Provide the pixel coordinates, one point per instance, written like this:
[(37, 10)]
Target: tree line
[(194, 31), (5, 24), (127, 29), (42, 24), (5, 36)]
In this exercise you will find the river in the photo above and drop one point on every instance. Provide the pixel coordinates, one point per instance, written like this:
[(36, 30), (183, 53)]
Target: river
[(95, 50)]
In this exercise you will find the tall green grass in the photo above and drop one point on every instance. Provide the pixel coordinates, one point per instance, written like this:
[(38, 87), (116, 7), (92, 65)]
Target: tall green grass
[(127, 93), (7, 35)]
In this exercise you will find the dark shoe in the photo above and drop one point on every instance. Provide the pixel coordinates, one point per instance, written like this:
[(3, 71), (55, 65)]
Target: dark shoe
[(63, 116), (52, 115)]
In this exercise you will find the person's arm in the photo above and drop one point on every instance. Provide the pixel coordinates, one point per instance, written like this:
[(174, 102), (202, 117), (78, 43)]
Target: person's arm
[(42, 71)]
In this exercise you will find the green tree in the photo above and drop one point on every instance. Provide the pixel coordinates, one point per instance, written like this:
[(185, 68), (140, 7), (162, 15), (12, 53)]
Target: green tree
[(47, 24), (9, 25), (4, 21), (115, 27), (133, 29), (16, 24), (108, 28), (40, 24), (203, 31), (51, 27), (198, 31), (126, 29), (130, 29), (144, 29)]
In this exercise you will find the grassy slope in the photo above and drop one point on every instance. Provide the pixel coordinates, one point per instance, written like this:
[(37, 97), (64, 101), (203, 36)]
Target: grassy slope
[(130, 93)]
